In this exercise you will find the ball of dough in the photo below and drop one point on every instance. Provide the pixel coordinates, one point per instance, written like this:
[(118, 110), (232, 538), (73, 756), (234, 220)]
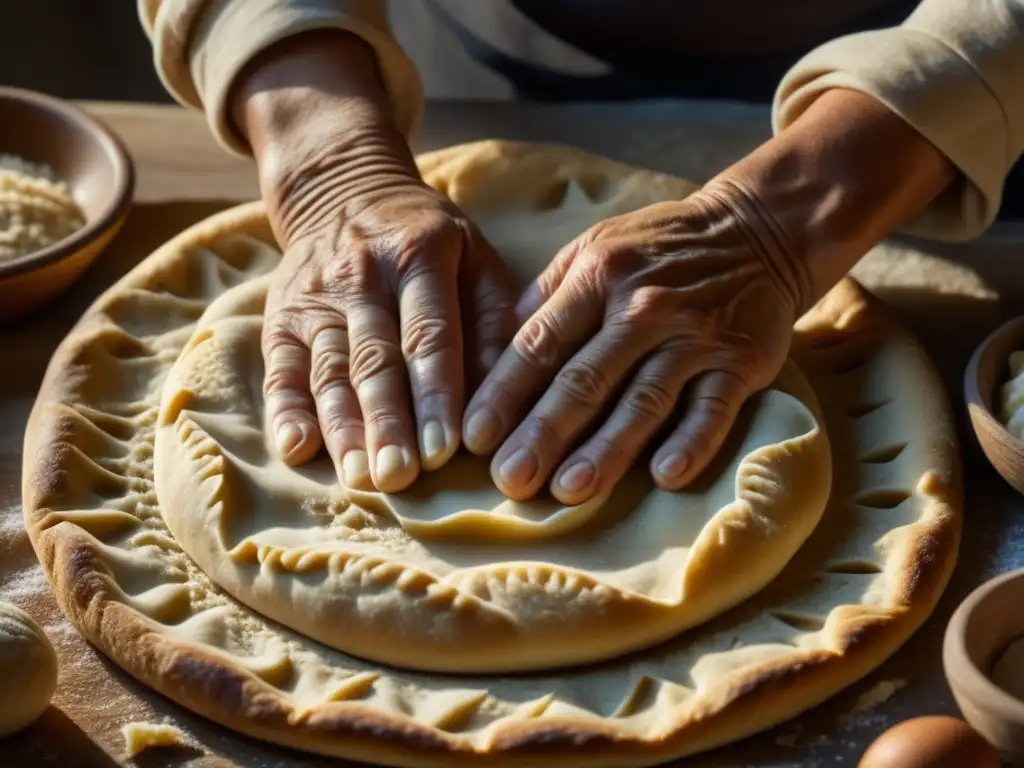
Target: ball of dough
[(28, 669)]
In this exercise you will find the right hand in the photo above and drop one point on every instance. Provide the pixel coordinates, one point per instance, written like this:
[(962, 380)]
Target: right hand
[(388, 302)]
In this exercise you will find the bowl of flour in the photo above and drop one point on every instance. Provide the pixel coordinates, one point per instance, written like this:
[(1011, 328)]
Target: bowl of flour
[(66, 184)]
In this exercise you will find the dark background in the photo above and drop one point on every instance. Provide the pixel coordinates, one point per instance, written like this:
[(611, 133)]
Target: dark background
[(97, 49), (78, 49)]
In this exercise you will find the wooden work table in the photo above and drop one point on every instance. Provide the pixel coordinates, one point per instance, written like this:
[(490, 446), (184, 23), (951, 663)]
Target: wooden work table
[(950, 295)]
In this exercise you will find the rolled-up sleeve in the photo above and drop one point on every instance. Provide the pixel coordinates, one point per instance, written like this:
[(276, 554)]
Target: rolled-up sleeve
[(954, 70), (200, 46)]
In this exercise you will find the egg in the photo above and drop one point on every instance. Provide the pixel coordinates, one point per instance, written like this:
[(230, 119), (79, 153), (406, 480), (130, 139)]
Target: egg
[(936, 741)]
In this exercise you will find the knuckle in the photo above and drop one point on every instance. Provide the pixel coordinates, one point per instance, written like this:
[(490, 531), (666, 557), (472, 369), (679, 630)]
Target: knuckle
[(283, 363), (649, 399), (330, 369), (583, 382), (288, 405), (598, 255), (609, 451), (277, 380), (548, 282), (336, 421), (596, 265), (537, 343), (713, 406), (426, 334), (541, 430), (406, 245), (277, 336), (351, 271), (372, 357), (380, 418), (645, 304), (498, 393)]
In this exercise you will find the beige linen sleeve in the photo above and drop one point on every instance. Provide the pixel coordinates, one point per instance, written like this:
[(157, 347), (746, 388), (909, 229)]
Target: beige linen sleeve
[(954, 70), (200, 46)]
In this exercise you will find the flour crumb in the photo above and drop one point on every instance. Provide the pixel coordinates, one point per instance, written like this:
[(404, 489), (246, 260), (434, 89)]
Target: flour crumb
[(786, 740), (139, 736), (878, 694)]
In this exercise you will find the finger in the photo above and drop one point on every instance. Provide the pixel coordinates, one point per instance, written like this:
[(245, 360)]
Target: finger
[(547, 282), (488, 309), (574, 401), (647, 403), (290, 410), (432, 345), (341, 421), (526, 368), (378, 373), (711, 411)]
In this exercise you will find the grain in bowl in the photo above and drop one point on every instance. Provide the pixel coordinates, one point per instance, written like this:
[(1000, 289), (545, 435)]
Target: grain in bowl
[(36, 208)]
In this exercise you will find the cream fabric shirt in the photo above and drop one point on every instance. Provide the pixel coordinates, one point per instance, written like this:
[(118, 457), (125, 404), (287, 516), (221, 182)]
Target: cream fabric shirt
[(954, 70)]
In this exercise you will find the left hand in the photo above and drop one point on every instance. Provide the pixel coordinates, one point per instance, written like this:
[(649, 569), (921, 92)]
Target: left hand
[(676, 296)]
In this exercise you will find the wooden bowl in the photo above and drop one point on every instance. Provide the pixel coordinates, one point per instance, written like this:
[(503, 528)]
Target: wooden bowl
[(986, 372), (97, 168), (980, 630)]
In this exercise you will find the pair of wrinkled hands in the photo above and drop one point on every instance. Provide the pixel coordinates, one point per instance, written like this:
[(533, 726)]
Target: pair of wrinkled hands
[(392, 335)]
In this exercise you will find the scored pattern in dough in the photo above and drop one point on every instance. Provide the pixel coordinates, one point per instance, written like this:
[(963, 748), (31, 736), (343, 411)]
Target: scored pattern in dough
[(866, 578), (451, 576)]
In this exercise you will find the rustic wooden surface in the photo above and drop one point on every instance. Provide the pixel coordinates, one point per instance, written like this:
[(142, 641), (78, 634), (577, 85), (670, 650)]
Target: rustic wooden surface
[(950, 295)]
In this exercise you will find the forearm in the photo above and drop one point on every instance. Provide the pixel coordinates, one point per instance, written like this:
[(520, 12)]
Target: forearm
[(822, 193), (313, 109), (202, 48), (954, 71)]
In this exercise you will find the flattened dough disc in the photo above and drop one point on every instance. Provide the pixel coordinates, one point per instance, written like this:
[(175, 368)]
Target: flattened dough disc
[(866, 578), (451, 576)]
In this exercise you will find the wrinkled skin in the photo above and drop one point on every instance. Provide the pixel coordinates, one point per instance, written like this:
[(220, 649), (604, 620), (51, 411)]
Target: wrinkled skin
[(380, 311), (389, 306), (671, 301)]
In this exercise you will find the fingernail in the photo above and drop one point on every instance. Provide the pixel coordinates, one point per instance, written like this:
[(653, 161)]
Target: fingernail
[(433, 440), (519, 468), (578, 478), (673, 465), (482, 428), (288, 437), (355, 467), (391, 460)]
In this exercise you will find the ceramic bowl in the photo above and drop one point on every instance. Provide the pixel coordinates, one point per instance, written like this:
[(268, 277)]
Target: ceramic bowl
[(980, 630), (97, 168), (986, 372)]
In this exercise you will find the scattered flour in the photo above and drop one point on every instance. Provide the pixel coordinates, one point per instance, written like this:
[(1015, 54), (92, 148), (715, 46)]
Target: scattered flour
[(786, 740), (24, 584), (877, 694)]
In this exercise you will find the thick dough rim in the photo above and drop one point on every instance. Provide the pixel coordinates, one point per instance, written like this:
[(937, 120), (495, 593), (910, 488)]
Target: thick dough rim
[(219, 688)]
